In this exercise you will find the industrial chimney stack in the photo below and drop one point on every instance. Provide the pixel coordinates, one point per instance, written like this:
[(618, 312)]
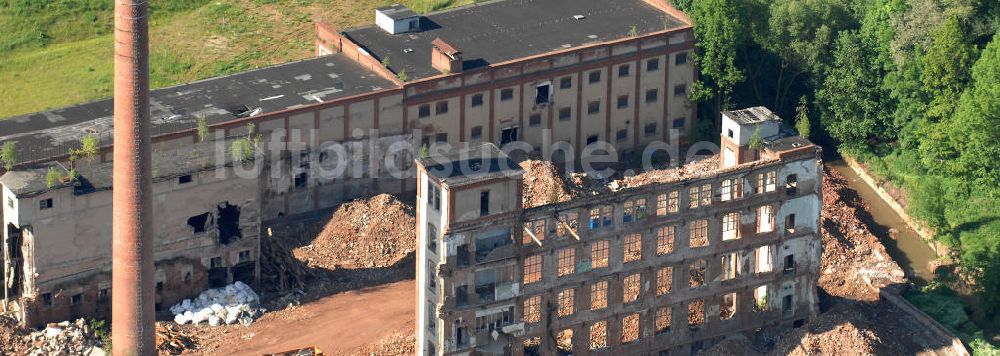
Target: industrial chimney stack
[(132, 319)]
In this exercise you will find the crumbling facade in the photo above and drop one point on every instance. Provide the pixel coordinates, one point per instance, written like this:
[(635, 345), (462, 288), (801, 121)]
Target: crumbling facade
[(667, 267), (57, 251), (545, 73)]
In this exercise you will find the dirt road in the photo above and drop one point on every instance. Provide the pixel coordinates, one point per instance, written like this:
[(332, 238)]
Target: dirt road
[(337, 324)]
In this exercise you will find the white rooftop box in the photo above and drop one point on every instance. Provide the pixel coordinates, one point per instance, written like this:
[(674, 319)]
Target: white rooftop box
[(397, 19)]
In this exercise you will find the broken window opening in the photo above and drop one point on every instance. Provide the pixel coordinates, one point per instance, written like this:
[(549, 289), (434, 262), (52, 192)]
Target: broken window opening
[(76, 299), (765, 219), (508, 135), (184, 179), (632, 248), (663, 319), (630, 288), (567, 261), (789, 266), (432, 236), (790, 223), (599, 295), (491, 240), (599, 335), (537, 232), (787, 304), (696, 273), (564, 342), (727, 307), (301, 179), (532, 309), (762, 257), (696, 314), (664, 240), (461, 296), (484, 203), (664, 280), (532, 269), (542, 92), (699, 233), (760, 299), (463, 255), (495, 284), (531, 346), (730, 226), (730, 265), (45, 204), (566, 302), (199, 223), (791, 184), (47, 299), (771, 181), (229, 223), (635, 210), (630, 328), (666, 203)]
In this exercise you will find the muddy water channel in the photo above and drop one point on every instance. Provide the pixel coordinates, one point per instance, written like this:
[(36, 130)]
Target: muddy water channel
[(904, 245)]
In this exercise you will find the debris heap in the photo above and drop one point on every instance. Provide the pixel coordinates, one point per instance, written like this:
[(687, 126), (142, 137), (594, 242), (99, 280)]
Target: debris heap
[(854, 263), (171, 340), (542, 184), (227, 305), (692, 169), (366, 233), (13, 337), (65, 338)]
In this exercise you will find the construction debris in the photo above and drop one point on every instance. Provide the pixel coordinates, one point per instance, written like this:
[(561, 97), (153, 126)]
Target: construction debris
[(65, 338), (13, 338), (854, 263), (399, 343), (542, 184), (227, 305), (689, 170), (171, 340), (367, 233)]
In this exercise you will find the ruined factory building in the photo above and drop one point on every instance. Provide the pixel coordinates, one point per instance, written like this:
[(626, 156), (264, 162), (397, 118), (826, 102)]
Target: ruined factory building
[(570, 72), (671, 265)]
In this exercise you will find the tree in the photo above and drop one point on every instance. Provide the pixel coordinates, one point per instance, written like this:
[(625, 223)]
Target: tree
[(947, 67), (8, 155), (852, 97), (720, 28), (802, 33), (968, 144), (202, 128), (53, 178), (802, 122), (755, 142), (89, 147)]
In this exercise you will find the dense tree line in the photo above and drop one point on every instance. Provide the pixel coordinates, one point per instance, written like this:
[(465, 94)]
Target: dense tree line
[(911, 87)]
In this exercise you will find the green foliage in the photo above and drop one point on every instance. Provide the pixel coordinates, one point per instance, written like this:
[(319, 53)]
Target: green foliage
[(202, 128), (947, 67), (852, 95), (102, 330), (633, 32), (8, 155), (720, 28), (755, 142), (402, 76), (242, 150), (89, 147), (53, 177), (802, 122)]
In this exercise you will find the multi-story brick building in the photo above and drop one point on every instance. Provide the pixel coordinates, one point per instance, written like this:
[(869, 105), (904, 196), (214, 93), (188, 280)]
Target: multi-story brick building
[(533, 71), (670, 266)]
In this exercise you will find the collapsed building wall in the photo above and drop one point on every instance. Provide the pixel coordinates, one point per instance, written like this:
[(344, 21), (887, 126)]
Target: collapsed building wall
[(58, 240)]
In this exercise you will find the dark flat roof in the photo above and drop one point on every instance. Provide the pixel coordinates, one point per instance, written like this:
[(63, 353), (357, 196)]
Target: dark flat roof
[(498, 31), (397, 12), (469, 163), (51, 133)]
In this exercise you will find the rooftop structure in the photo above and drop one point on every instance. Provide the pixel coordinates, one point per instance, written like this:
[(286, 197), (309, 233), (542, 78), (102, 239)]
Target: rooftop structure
[(494, 32)]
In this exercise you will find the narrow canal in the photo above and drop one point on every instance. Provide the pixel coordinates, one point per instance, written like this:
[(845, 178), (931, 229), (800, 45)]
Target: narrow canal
[(903, 243)]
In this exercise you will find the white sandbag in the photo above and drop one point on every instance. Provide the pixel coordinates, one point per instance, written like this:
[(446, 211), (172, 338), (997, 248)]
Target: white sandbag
[(181, 319), (213, 320)]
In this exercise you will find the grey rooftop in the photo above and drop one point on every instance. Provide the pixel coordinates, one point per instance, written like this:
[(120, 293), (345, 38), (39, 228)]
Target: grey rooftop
[(754, 115), (497, 31), (52, 133), (469, 164)]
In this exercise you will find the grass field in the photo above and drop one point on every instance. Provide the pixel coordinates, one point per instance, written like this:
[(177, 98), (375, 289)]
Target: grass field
[(59, 52)]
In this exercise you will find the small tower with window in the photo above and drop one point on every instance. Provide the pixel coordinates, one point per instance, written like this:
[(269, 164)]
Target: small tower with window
[(740, 128)]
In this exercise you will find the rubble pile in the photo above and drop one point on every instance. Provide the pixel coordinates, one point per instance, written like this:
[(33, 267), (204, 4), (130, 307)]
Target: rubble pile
[(65, 338), (236, 302), (13, 337), (367, 233), (171, 340), (691, 169), (854, 263), (399, 343), (542, 184)]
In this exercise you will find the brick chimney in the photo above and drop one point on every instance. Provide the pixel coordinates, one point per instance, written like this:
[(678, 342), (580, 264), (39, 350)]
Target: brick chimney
[(445, 57)]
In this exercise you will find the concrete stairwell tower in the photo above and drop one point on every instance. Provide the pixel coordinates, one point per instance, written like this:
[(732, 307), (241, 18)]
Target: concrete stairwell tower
[(132, 293)]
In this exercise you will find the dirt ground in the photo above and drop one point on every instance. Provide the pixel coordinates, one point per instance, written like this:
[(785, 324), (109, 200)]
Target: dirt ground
[(344, 323)]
